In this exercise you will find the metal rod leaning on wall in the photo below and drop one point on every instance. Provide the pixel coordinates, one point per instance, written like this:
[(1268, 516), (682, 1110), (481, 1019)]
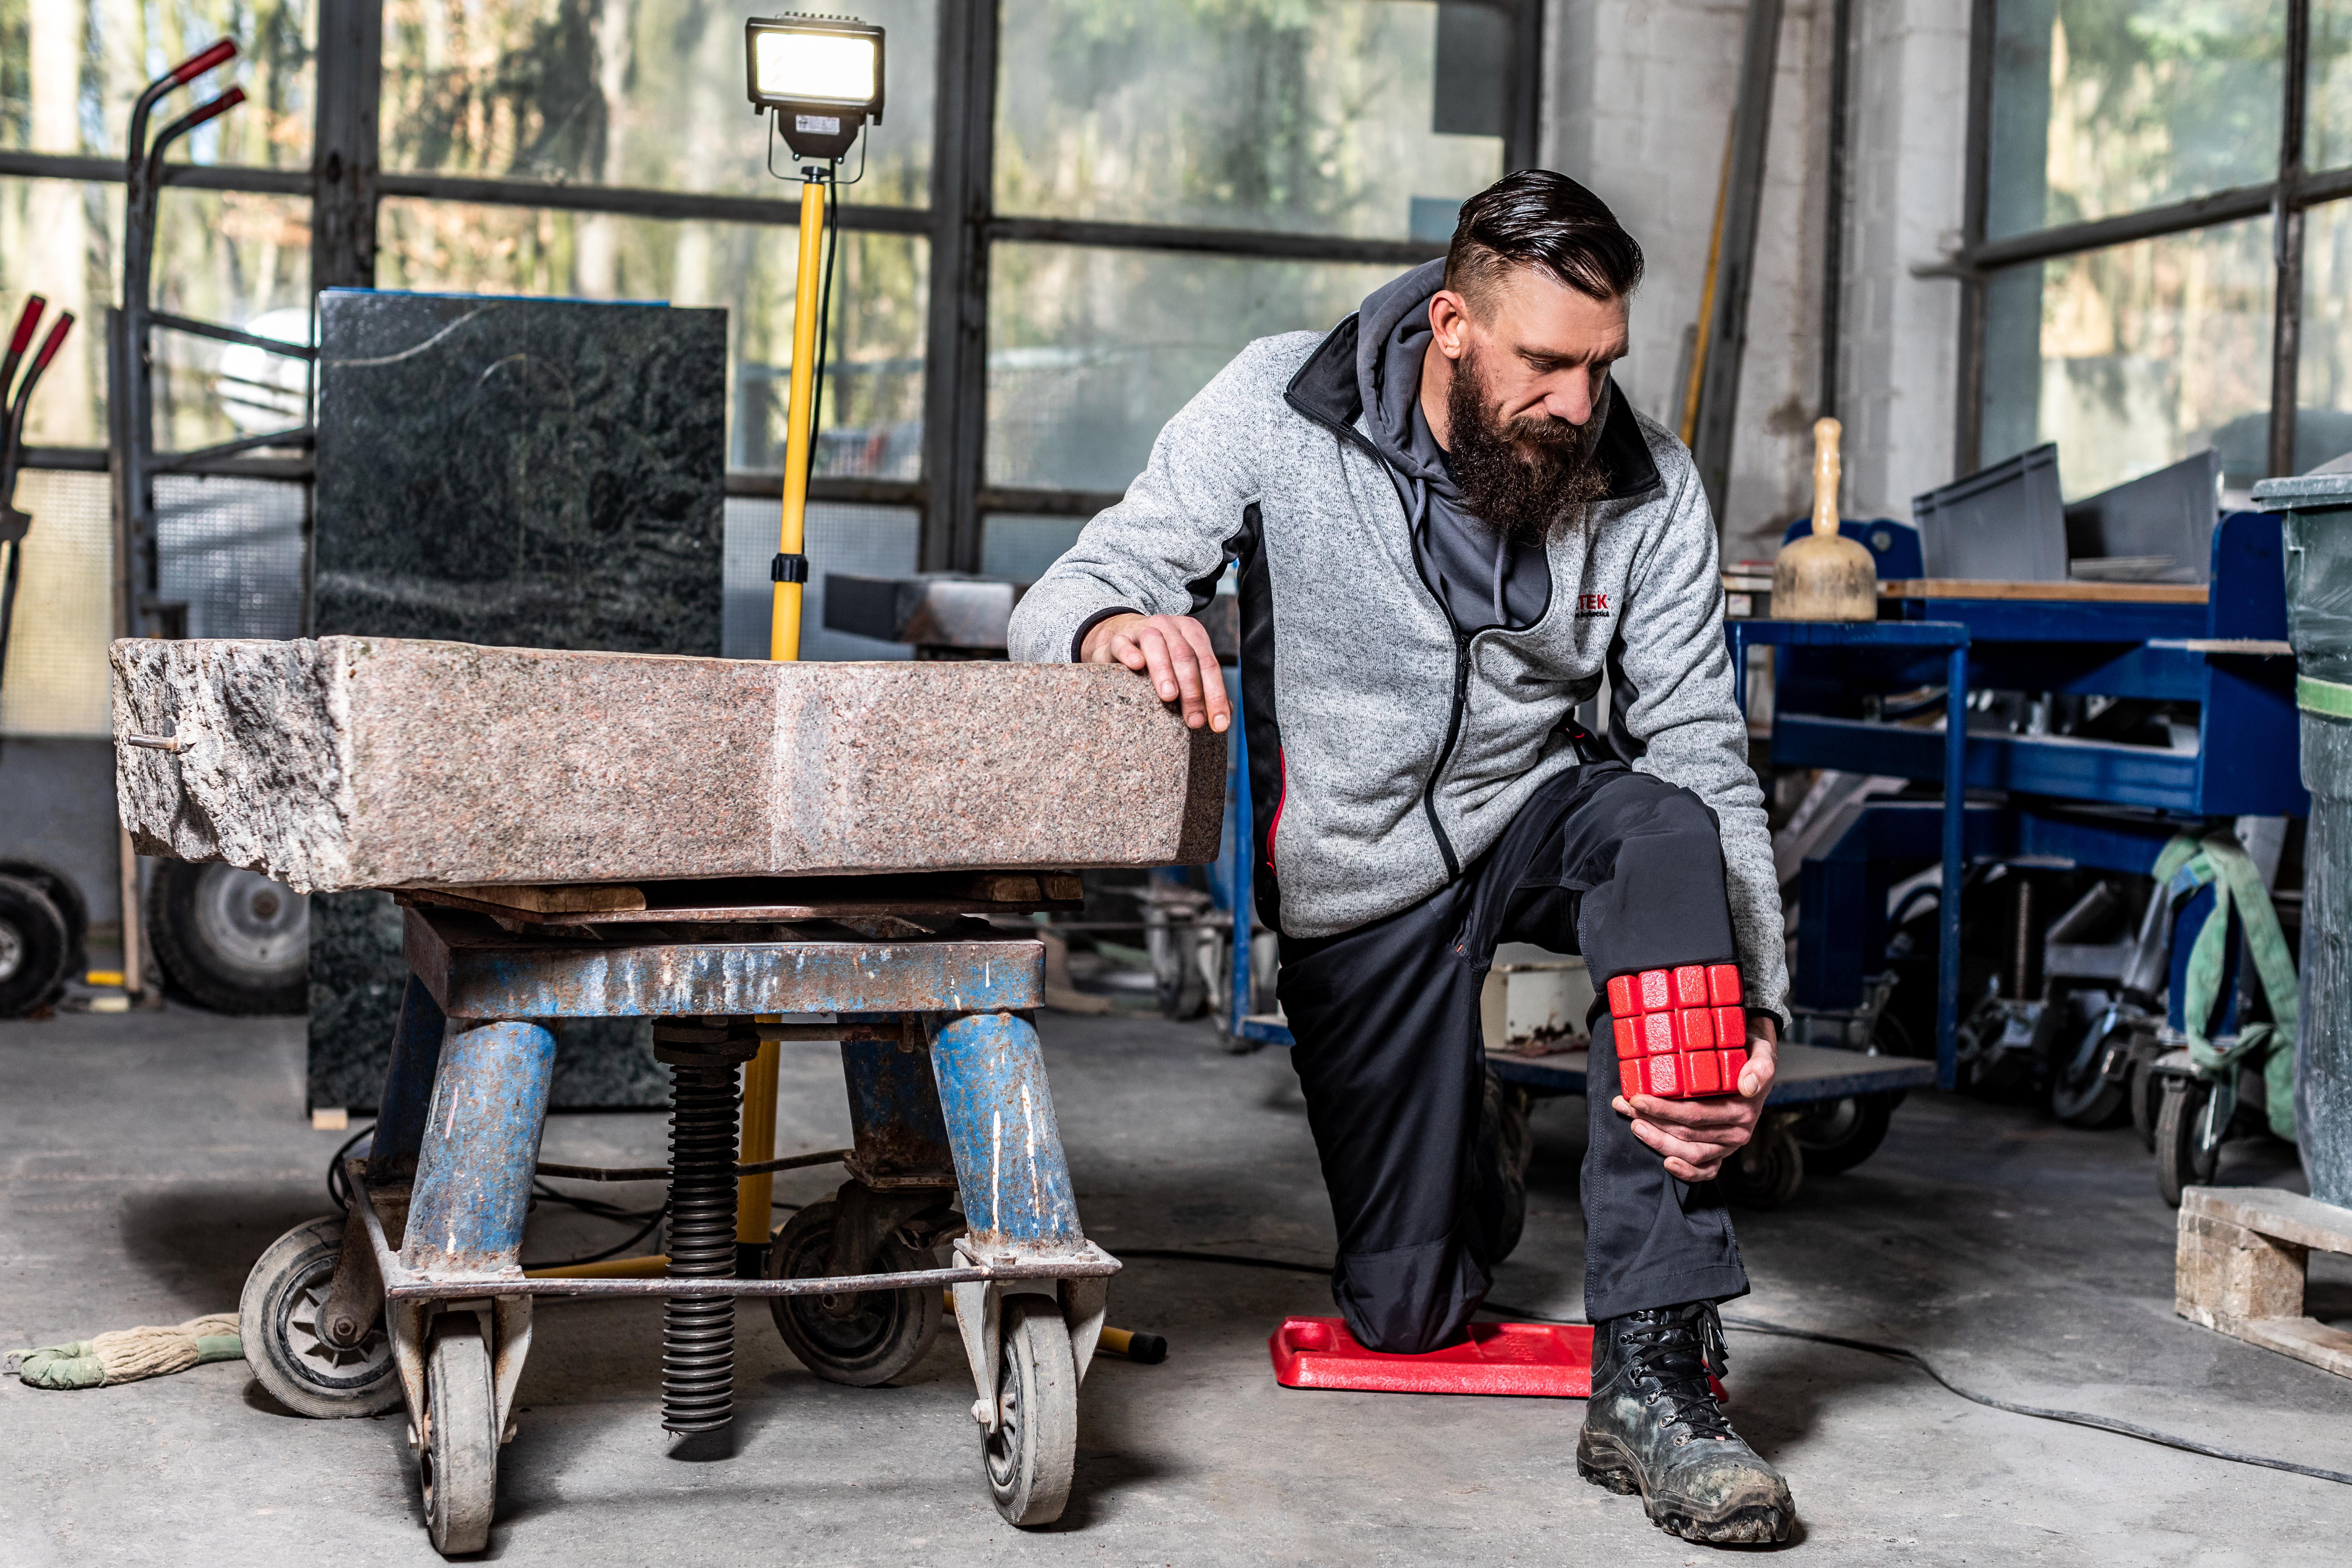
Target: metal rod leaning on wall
[(1751, 120)]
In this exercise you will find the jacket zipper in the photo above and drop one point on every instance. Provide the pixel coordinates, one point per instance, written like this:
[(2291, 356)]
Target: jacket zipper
[(1445, 752)]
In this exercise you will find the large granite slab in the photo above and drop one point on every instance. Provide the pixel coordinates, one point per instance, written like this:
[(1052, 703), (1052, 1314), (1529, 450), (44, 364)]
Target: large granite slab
[(543, 472), (353, 763), (537, 473)]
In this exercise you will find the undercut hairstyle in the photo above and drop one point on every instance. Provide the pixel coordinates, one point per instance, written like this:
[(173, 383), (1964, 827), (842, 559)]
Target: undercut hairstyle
[(1546, 221)]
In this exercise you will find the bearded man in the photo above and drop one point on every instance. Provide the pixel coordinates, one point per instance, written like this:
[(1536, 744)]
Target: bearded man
[(1450, 531)]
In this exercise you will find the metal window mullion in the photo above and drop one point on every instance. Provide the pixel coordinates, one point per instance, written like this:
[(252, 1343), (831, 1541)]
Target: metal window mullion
[(343, 176), (1968, 420), (1523, 141), (2286, 242), (955, 390)]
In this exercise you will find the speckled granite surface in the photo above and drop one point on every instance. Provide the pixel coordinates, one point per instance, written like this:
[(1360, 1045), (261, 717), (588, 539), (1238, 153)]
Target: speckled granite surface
[(375, 763), (537, 473)]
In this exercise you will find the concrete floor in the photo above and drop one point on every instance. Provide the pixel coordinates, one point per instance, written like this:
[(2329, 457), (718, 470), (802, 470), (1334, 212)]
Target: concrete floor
[(144, 1161)]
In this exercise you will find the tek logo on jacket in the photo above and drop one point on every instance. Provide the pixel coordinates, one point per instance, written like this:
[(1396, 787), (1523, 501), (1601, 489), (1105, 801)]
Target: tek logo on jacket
[(1592, 605)]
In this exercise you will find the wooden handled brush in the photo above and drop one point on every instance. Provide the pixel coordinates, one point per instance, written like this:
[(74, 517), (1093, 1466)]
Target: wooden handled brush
[(1823, 576)]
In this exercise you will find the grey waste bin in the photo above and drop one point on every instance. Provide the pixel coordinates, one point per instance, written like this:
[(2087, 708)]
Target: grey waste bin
[(2318, 539)]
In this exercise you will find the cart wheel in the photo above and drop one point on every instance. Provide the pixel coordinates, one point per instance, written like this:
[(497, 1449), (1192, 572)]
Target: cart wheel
[(1841, 1133), (2146, 1095), (2081, 1092), (1765, 1174), (2178, 1160), (278, 1319), (36, 949), (458, 1468), (232, 940), (861, 1339), (1035, 1445)]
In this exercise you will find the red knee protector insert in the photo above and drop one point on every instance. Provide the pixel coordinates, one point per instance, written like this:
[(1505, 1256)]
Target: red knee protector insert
[(1680, 1033)]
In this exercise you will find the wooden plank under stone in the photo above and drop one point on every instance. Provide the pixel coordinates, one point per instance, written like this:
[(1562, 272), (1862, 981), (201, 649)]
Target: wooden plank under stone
[(2241, 1266)]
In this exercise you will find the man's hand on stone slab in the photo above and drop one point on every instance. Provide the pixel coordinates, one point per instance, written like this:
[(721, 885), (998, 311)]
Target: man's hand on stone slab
[(1697, 1135), (1174, 650)]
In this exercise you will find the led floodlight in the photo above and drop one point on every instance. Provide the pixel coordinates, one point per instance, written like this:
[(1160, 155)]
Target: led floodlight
[(821, 75)]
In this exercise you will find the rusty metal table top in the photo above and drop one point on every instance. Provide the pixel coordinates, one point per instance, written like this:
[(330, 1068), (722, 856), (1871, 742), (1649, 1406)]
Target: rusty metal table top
[(476, 969)]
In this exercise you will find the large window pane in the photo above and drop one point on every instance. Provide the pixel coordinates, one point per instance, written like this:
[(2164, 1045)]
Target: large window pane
[(60, 238), (2323, 428), (57, 681), (242, 259), (1091, 350), (868, 541), (603, 93), (2101, 107), (2327, 127), (233, 257), (1366, 118), (874, 372), (2135, 357), (71, 68)]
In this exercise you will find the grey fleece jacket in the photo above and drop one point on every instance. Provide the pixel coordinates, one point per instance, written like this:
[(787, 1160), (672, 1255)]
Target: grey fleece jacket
[(1387, 748)]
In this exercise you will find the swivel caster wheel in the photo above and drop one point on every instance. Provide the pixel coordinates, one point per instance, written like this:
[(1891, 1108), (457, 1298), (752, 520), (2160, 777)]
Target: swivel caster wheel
[(2181, 1158), (1765, 1174), (1030, 1456), (864, 1338), (458, 1464), (277, 1317)]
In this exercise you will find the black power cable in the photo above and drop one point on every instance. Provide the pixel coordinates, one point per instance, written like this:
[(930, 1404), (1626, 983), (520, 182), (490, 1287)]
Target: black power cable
[(1871, 1347)]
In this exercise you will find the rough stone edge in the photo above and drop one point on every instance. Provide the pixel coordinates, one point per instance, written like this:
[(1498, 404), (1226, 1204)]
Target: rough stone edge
[(167, 800)]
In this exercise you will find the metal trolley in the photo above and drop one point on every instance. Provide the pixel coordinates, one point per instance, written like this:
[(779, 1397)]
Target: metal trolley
[(957, 1178)]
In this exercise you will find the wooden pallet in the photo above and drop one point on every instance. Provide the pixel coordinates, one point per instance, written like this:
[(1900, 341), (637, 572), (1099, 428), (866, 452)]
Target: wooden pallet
[(2241, 1269)]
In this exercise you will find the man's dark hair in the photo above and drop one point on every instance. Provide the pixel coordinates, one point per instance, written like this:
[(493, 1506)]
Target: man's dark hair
[(1546, 221)]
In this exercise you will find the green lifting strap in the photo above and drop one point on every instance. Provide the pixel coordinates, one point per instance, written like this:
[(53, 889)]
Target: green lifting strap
[(2329, 698), (2221, 862)]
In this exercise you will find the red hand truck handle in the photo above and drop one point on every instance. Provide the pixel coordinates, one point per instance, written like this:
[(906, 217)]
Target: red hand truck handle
[(195, 117), (49, 347), (195, 65), (28, 319)]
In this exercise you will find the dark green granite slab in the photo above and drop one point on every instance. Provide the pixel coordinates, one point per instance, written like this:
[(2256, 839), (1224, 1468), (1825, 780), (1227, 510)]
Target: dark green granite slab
[(527, 473)]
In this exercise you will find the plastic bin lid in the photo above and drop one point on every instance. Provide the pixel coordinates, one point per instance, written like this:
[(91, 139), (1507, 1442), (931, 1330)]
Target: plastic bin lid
[(2304, 492)]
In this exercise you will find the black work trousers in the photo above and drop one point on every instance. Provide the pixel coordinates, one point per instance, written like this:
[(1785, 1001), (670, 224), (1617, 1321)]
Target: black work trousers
[(1613, 864)]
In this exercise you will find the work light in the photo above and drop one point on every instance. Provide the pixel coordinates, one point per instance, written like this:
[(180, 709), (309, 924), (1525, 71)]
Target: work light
[(822, 76)]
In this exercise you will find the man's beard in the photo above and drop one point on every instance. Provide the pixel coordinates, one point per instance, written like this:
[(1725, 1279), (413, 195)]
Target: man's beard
[(1519, 475)]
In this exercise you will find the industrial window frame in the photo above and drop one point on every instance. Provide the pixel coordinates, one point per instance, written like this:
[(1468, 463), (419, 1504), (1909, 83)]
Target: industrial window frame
[(345, 184), (2285, 199)]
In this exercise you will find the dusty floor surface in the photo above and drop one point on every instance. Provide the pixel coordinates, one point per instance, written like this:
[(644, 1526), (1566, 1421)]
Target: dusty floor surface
[(146, 1161)]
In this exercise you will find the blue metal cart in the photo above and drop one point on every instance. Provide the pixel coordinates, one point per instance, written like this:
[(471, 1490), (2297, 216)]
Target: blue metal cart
[(957, 1180)]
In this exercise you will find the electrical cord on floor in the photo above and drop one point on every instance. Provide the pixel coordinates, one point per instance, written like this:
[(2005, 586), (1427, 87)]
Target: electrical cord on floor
[(1870, 1347), (339, 1193)]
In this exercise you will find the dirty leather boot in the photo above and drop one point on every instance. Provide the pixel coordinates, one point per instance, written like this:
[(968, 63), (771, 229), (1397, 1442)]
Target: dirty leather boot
[(1653, 1426)]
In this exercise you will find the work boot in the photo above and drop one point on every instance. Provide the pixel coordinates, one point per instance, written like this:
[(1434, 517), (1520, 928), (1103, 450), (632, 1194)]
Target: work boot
[(1653, 1426)]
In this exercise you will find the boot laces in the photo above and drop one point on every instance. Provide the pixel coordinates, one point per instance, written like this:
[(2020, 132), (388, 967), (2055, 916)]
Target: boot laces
[(1671, 1351)]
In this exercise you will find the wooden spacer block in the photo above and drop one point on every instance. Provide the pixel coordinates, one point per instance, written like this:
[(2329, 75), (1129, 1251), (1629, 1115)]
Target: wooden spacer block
[(2241, 1263)]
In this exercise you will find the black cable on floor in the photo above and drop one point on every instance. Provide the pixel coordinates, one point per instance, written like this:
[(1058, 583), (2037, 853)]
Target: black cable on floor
[(1871, 1347)]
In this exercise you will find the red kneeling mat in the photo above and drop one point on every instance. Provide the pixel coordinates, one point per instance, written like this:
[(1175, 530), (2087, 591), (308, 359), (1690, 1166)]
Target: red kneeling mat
[(1551, 1358)]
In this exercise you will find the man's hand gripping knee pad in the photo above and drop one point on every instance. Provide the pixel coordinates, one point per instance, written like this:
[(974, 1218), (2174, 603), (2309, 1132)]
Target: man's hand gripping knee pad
[(1681, 1033)]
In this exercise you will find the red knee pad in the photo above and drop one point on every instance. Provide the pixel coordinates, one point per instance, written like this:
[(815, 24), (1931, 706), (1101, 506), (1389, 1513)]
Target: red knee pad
[(1681, 1033)]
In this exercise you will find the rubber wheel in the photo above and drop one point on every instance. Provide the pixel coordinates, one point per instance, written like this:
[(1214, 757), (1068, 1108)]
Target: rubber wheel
[(2147, 1096), (1842, 1133), (1764, 1174), (35, 950), (2178, 1161), (458, 1470), (69, 903), (276, 1317), (1029, 1457), (1181, 990), (230, 940), (866, 1337), (2081, 1093)]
